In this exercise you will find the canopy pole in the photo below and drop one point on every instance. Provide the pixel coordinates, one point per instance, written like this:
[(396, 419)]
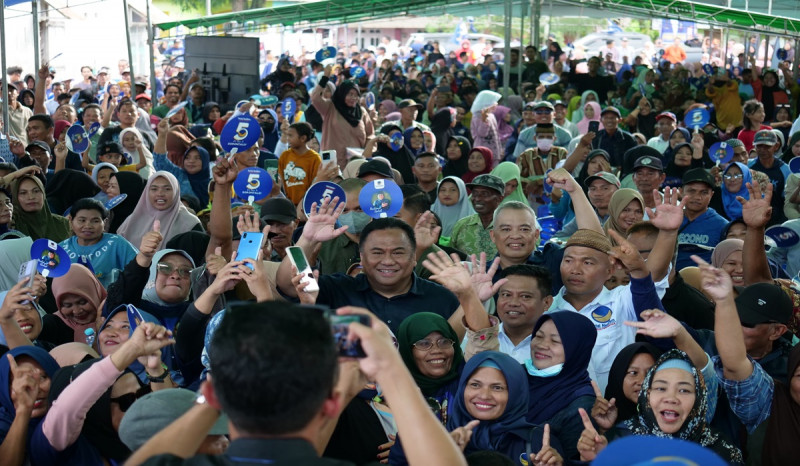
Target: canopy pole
[(151, 57), (794, 62), (36, 51), (4, 66), (130, 52), (523, 12), (359, 37), (537, 16), (746, 51), (725, 58), (532, 22), (507, 47), (766, 53)]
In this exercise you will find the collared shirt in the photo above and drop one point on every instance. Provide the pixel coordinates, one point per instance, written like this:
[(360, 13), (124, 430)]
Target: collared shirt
[(470, 237), (608, 311), (17, 121), (424, 296), (520, 352), (527, 139), (751, 398), (337, 255)]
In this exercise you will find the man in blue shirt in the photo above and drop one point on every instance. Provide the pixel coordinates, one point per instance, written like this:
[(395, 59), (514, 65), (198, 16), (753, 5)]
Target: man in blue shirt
[(702, 225), (766, 143)]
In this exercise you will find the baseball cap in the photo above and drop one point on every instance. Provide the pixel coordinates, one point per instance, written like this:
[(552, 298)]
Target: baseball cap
[(142, 96), (765, 136), (611, 110), (698, 174), (643, 450), (154, 411), (40, 144), (559, 102), (377, 167), (543, 104), (763, 302), (667, 115), (649, 162), (103, 70), (405, 103), (111, 148), (279, 209), (529, 107), (605, 176), (488, 181)]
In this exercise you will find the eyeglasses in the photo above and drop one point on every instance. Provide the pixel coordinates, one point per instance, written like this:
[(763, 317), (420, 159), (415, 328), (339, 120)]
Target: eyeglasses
[(125, 401), (166, 268), (733, 177), (426, 345), (543, 111)]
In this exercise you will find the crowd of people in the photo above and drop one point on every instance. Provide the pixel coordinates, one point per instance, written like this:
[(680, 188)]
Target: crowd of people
[(572, 264)]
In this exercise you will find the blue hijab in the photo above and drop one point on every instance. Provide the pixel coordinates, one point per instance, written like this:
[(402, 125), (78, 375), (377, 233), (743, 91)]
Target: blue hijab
[(507, 433), (669, 153), (199, 180), (549, 395), (733, 208), (136, 367), (7, 411), (407, 141)]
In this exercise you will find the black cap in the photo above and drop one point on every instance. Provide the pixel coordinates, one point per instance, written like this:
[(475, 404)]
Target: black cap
[(377, 167), (648, 161), (279, 209), (40, 144), (762, 303), (698, 175), (111, 148), (611, 110)]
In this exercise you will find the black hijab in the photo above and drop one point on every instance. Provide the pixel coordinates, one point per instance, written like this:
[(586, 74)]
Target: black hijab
[(616, 376), (402, 160), (132, 184), (67, 186), (193, 243), (457, 167), (351, 114), (441, 127)]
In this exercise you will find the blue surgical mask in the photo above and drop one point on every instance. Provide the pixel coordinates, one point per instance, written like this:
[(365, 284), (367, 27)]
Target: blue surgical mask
[(546, 372), (355, 221)]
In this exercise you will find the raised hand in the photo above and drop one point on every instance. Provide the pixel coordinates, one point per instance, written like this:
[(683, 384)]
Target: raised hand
[(482, 277), (249, 223), (426, 231), (625, 256), (24, 387), (60, 152), (227, 276), (562, 179), (16, 147), (547, 455), (320, 225), (149, 338), (18, 294), (215, 262), (462, 435), (224, 172), (305, 297), (656, 324), (668, 214), (163, 126), (756, 212), (256, 278), (448, 272), (604, 412), (590, 443), (151, 241), (716, 282)]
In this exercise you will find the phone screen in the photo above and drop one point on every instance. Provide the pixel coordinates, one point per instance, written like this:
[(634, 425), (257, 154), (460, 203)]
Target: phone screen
[(327, 155), (299, 258), (340, 327), (594, 126), (271, 166)]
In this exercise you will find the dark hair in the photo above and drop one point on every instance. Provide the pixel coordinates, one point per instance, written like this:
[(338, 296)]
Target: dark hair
[(261, 389), (544, 282), (415, 200), (303, 129), (87, 203), (387, 224), (172, 85), (750, 107), (427, 154), (209, 145), (46, 119), (98, 107)]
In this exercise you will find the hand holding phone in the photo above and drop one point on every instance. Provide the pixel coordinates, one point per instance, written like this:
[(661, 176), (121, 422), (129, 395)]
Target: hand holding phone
[(27, 271), (340, 326), (249, 246), (328, 155), (300, 262), (594, 126)]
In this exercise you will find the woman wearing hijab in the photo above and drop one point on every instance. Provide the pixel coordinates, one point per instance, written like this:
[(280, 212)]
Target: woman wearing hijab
[(734, 183), (768, 91), (591, 112), (414, 141), (497, 380), (13, 253), (673, 403), (78, 296), (21, 415), (68, 186), (193, 173), (178, 141), (727, 255), (587, 96), (160, 201), (624, 210), (442, 128), (6, 211), (484, 126), (101, 173), (626, 377), (558, 379), (457, 153), (211, 113), (401, 159), (130, 184), (32, 215), (510, 174), (504, 128), (452, 203), (345, 122), (681, 162), (479, 162)]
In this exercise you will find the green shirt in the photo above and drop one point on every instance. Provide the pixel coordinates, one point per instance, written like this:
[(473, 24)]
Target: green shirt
[(336, 255), (469, 236), (420, 269)]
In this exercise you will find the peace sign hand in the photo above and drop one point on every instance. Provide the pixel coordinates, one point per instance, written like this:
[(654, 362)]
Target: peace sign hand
[(547, 455), (590, 443), (604, 412)]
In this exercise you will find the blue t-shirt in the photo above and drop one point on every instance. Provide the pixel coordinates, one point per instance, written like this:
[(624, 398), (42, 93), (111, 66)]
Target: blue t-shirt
[(108, 257), (699, 236)]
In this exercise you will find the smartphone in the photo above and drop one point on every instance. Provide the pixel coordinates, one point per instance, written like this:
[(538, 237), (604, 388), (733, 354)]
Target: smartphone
[(271, 166), (299, 260), (27, 271), (340, 326), (249, 246), (594, 126), (328, 155), (443, 89)]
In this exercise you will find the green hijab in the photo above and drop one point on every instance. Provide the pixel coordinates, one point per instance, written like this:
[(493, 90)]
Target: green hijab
[(42, 223), (508, 171), (417, 327)]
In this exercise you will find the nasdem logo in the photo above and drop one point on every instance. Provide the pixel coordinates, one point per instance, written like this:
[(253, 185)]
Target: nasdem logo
[(602, 314)]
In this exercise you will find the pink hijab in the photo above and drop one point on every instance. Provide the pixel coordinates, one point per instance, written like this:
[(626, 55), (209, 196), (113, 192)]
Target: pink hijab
[(583, 125), (81, 282), (504, 130), (174, 221)]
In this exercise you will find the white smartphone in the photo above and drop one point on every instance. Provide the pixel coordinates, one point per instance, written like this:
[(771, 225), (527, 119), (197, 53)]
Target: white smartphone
[(27, 271), (299, 260), (328, 155)]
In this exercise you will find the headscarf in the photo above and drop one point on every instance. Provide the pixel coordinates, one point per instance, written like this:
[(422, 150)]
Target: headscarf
[(457, 167), (59, 127), (401, 160), (175, 220), (100, 166), (193, 243), (68, 186), (487, 157), (132, 184), (178, 140), (483, 100), (407, 141), (42, 223), (504, 130), (583, 124), (724, 249), (584, 171), (733, 208), (389, 105), (508, 171), (449, 215), (441, 127), (351, 169), (619, 200), (80, 281), (498, 434), (783, 426), (351, 114), (199, 180), (13, 253), (577, 114), (694, 429), (549, 395), (669, 152), (787, 151), (515, 103), (149, 294), (768, 93), (675, 173), (136, 367), (616, 376), (207, 111), (415, 328), (574, 103), (7, 410)]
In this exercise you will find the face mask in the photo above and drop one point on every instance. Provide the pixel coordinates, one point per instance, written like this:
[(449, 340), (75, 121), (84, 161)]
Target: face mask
[(267, 126), (544, 144), (355, 221), (548, 372)]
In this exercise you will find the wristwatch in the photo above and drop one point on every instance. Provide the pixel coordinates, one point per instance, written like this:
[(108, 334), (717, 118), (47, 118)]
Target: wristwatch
[(161, 378)]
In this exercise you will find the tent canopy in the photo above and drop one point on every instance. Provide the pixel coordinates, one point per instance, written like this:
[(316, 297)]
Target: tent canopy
[(774, 16)]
